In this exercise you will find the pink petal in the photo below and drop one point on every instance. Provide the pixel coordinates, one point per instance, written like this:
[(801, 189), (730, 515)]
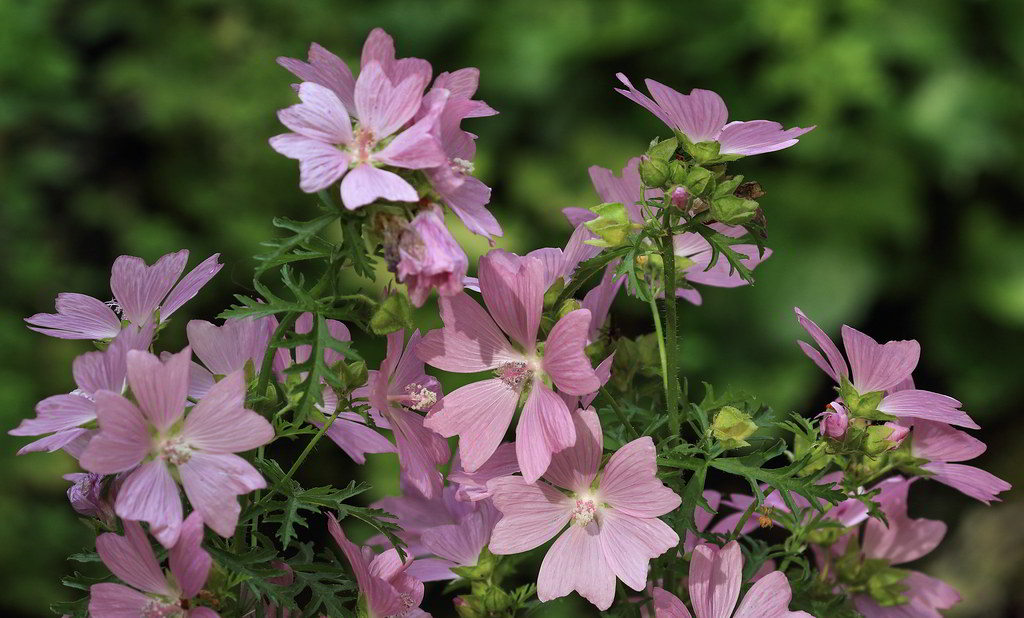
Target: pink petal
[(116, 601), (627, 190), (352, 435), (431, 570), (630, 543), (513, 290), (381, 106), (320, 164), (213, 483), (418, 147), (904, 539), (123, 439), (575, 468), (576, 562), (462, 542), (715, 579), (470, 340), (326, 69), (703, 518), (219, 423), (226, 348), (668, 605), (769, 598), (366, 184), (576, 252), (564, 357), (139, 289), (190, 563), (700, 115), (150, 494), (202, 612), (380, 48), (190, 284), (877, 367), (382, 599), (531, 514), (473, 485), (69, 440), (106, 370), (321, 115), (479, 413), (420, 451), (643, 100), (599, 301), (836, 365), (131, 559), (971, 481), (937, 441), (78, 317), (57, 413), (160, 388), (578, 216), (629, 483), (545, 427), (757, 136), (926, 405), (468, 202)]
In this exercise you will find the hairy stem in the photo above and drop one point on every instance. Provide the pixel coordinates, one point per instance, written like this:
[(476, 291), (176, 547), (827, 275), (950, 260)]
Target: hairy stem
[(656, 316), (671, 350)]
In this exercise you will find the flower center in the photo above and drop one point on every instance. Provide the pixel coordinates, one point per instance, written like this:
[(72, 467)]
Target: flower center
[(175, 451), (407, 604), (155, 608), (362, 143), (462, 166), (514, 374), (583, 513), (420, 397)]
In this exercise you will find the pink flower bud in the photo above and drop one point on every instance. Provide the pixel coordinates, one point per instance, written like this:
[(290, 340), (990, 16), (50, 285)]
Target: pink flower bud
[(430, 258), (86, 496), (834, 421), (680, 197), (897, 435)]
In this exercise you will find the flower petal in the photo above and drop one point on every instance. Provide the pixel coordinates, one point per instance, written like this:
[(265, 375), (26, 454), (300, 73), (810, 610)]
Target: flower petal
[(629, 482), (139, 289), (545, 428), (219, 423), (470, 340), (420, 451), (938, 441), (531, 514), (418, 147), (915, 403), (320, 164), (668, 605), (575, 468), (123, 439), (321, 115), (382, 105), (877, 367), (715, 579), (326, 69), (479, 413), (753, 137), (78, 317), (564, 357), (769, 598), (513, 290), (971, 481), (160, 387), (150, 494), (213, 483), (630, 543), (131, 559), (836, 365), (116, 601), (575, 562), (700, 115), (190, 563), (366, 184)]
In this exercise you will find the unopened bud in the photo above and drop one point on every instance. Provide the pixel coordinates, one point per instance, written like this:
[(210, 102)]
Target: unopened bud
[(697, 179), (680, 197), (86, 496), (612, 225), (653, 172), (732, 427), (898, 435), (886, 437), (732, 210), (834, 421)]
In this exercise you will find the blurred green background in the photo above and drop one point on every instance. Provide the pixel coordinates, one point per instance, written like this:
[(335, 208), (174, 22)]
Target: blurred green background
[(141, 128)]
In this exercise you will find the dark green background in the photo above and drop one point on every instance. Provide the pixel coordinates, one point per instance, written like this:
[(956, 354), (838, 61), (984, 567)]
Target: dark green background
[(141, 128)]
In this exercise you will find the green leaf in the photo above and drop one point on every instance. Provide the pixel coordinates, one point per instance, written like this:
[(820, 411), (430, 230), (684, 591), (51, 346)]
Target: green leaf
[(394, 314), (355, 246), (302, 244)]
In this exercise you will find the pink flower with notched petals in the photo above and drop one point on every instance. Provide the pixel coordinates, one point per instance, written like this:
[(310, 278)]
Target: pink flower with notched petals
[(716, 576), (327, 146), (942, 445), (471, 341), (614, 530), (226, 349), (157, 442), (881, 367), (142, 294), (430, 258), (64, 416), (701, 116), (151, 592), (384, 585), (398, 391)]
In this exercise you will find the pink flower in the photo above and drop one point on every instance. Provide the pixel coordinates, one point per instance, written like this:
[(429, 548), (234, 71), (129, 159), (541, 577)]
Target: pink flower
[(226, 349), (473, 486), (157, 441), (716, 576), (397, 392), (142, 294), (64, 416), (152, 592), (614, 530), (86, 496), (881, 367), (834, 421), (701, 116), (326, 146), (384, 585), (940, 444), (471, 341), (430, 258)]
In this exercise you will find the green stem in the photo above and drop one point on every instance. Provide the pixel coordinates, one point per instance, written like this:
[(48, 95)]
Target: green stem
[(668, 256), (620, 413), (302, 456), (656, 316)]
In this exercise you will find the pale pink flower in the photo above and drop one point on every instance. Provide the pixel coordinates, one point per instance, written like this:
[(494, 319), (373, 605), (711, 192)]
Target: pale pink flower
[(429, 257), (327, 146), (881, 367), (64, 416), (226, 349), (86, 496), (156, 436), (613, 526), (834, 421), (152, 591), (701, 116), (384, 585), (473, 486), (398, 391), (142, 295), (471, 341), (940, 445), (716, 576)]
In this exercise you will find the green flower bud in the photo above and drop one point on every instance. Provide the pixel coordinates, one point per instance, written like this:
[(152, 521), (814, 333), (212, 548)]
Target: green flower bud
[(568, 307), (663, 150), (697, 179), (732, 427), (395, 313), (728, 187), (653, 172), (612, 225), (732, 210), (677, 172), (353, 374), (703, 152)]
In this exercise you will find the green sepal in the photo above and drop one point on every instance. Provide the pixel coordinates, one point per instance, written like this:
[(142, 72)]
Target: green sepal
[(395, 313), (663, 150)]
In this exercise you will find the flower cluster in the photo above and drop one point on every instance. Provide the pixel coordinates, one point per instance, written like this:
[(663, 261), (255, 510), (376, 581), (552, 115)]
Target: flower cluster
[(603, 478)]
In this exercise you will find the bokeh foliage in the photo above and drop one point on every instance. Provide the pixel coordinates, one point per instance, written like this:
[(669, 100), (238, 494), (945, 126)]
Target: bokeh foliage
[(141, 128)]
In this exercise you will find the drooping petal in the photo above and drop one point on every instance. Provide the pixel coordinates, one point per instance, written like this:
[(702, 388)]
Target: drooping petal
[(576, 562), (367, 183), (668, 605), (836, 365), (219, 423), (213, 483), (877, 367), (139, 289), (700, 115), (470, 340), (321, 115), (190, 563), (116, 601), (629, 482), (630, 543), (131, 558), (564, 357), (769, 598), (642, 100), (468, 201), (67, 439), (715, 579), (150, 494), (757, 137), (123, 439), (531, 514), (545, 428), (513, 290), (479, 413), (915, 403), (57, 413), (78, 317), (320, 164), (575, 468), (974, 482)]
